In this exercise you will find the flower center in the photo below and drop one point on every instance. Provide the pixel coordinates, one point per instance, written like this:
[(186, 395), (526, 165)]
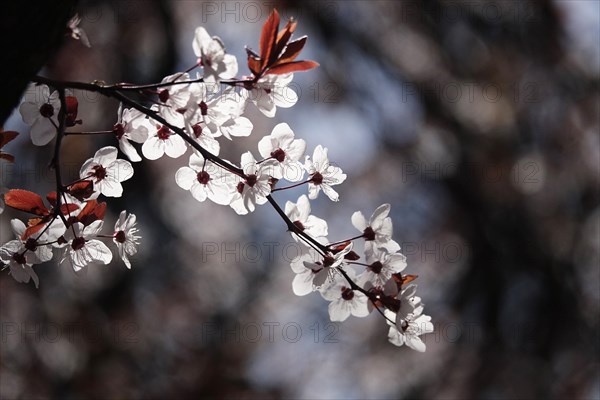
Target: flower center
[(163, 133), (120, 237), (376, 267), (197, 129), (118, 130), (317, 178), (47, 110), (19, 258), (203, 177), (278, 154), (369, 233), (251, 180), (99, 172), (78, 243), (31, 244), (299, 225), (203, 108), (163, 95), (347, 293)]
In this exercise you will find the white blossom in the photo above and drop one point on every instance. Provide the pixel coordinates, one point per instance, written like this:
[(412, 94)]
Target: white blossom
[(205, 180), (272, 91), (83, 248), (322, 174), (344, 300), (41, 113), (131, 125), (125, 236), (281, 146), (107, 172), (378, 230), (211, 52), (299, 214)]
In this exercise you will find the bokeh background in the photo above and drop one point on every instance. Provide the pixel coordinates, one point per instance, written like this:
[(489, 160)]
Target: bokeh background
[(477, 120)]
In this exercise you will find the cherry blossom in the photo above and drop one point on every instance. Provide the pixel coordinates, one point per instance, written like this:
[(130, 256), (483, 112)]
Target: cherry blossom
[(131, 126), (174, 99), (37, 251), (41, 114), (322, 174), (381, 265), (220, 114), (299, 214), (14, 257), (344, 300), (211, 52), (162, 140), (107, 172), (125, 236), (319, 267), (378, 230), (257, 186), (83, 248), (205, 180), (272, 91), (407, 331), (281, 146)]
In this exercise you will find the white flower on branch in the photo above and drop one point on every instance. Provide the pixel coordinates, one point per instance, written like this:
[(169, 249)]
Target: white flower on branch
[(280, 145), (322, 174), (299, 214), (125, 236), (107, 172), (131, 125), (378, 230), (205, 180), (344, 300), (83, 248), (272, 91), (161, 141), (41, 113), (211, 53)]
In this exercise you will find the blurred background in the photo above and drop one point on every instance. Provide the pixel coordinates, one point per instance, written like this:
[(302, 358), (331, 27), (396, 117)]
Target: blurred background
[(477, 120)]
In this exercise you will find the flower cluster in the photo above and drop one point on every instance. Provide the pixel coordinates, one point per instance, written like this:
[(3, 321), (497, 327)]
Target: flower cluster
[(191, 114)]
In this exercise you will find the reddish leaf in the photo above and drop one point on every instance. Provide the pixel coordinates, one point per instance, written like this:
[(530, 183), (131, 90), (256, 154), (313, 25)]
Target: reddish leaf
[(403, 279), (68, 208), (254, 62), (292, 51), (81, 190), (51, 197), (7, 136), (283, 38), (25, 201), (340, 247), (268, 37), (293, 66), (33, 225), (7, 157), (72, 107), (352, 256), (91, 212)]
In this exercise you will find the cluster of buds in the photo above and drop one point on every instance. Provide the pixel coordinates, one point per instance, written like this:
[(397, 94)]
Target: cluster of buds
[(191, 114)]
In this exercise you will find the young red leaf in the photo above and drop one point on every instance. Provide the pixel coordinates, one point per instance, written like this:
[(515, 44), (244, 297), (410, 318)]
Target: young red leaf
[(33, 225), (268, 38), (7, 136), (72, 107), (25, 200), (283, 38), (293, 66), (292, 51), (81, 190), (91, 212)]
